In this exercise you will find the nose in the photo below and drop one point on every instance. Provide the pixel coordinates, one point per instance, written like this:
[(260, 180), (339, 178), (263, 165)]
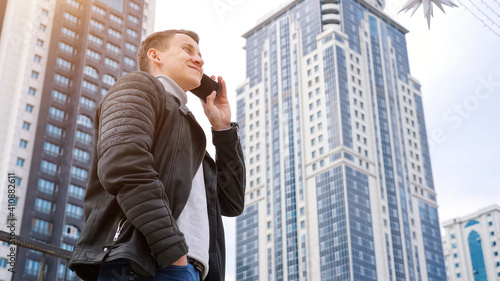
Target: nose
[(198, 60)]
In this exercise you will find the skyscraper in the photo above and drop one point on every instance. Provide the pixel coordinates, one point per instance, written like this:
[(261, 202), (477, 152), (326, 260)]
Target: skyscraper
[(57, 60), (340, 185), (472, 245)]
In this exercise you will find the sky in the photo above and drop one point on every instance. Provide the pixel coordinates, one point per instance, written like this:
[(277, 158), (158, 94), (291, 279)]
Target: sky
[(457, 62)]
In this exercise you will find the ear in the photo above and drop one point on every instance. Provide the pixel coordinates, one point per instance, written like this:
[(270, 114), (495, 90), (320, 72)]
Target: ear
[(154, 56)]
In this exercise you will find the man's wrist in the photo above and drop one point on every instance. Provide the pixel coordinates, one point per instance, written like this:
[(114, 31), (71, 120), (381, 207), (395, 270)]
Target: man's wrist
[(222, 127)]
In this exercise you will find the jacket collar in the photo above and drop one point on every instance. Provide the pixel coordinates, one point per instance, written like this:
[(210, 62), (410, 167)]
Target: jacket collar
[(172, 88)]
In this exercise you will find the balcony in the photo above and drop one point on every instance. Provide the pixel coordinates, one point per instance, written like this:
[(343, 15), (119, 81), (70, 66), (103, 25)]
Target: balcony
[(330, 8), (330, 19)]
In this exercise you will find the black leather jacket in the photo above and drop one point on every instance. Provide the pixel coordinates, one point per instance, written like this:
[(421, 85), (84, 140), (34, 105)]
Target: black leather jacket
[(147, 150)]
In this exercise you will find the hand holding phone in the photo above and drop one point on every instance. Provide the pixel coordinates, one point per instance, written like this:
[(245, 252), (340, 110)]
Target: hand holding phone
[(216, 107), (207, 86)]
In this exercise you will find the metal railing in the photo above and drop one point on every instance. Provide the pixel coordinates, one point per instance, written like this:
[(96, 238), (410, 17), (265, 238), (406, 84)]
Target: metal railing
[(44, 248)]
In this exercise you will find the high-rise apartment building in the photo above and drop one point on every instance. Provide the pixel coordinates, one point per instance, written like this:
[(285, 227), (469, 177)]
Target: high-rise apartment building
[(339, 177), (57, 59), (472, 245)]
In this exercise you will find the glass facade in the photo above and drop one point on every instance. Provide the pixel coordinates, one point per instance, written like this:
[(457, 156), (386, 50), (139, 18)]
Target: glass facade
[(477, 257), (247, 248), (335, 100)]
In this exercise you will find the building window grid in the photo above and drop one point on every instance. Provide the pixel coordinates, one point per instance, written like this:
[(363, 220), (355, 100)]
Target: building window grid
[(87, 103), (74, 211), (41, 226), (71, 18), (111, 64), (132, 33), (84, 120), (98, 10), (49, 167), (43, 206), (64, 64), (74, 4), (54, 131), (57, 114), (59, 97), (89, 87), (23, 143), (32, 267), (96, 24), (78, 173), (81, 155), (82, 137), (46, 186), (116, 19), (51, 149), (66, 48), (90, 71), (61, 80), (95, 39), (69, 32), (113, 48), (133, 19), (114, 33), (76, 192)]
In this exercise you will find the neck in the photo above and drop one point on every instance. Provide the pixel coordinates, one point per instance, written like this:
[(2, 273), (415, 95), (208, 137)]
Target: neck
[(173, 88)]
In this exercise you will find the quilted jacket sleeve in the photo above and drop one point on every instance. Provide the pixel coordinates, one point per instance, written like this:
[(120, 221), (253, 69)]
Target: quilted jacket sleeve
[(230, 171), (126, 166)]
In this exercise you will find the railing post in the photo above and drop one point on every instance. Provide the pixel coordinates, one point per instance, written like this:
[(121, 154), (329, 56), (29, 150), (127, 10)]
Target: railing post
[(42, 265)]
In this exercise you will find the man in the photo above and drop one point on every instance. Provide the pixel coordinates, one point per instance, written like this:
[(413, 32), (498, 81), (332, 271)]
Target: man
[(155, 198)]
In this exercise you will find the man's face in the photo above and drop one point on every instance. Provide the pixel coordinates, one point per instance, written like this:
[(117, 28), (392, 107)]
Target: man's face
[(182, 62)]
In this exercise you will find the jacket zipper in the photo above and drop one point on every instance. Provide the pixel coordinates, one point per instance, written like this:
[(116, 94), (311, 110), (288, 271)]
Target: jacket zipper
[(121, 223)]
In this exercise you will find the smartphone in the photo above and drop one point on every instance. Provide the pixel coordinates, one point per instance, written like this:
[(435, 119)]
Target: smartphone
[(207, 86)]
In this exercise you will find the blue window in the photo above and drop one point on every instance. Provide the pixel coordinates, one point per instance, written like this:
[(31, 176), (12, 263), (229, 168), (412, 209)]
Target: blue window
[(476, 255), (49, 167), (46, 186), (490, 223), (74, 211), (79, 173), (18, 181), (26, 125), (29, 108), (452, 236), (71, 231), (20, 162), (456, 265), (23, 143), (32, 91), (454, 246), (51, 148), (32, 267), (492, 233), (43, 206), (3, 262), (34, 74), (458, 275), (455, 255), (41, 226), (494, 243), (471, 223), (54, 131), (76, 191)]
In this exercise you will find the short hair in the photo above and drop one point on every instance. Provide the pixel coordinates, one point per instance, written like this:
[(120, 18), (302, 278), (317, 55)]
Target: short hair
[(159, 40)]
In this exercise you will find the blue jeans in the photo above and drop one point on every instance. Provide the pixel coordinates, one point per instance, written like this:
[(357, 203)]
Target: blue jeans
[(121, 270)]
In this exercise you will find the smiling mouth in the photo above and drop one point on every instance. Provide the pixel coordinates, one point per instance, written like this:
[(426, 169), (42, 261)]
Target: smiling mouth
[(195, 68)]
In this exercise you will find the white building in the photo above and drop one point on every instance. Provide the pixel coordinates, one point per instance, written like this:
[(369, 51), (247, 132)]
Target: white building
[(472, 245)]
